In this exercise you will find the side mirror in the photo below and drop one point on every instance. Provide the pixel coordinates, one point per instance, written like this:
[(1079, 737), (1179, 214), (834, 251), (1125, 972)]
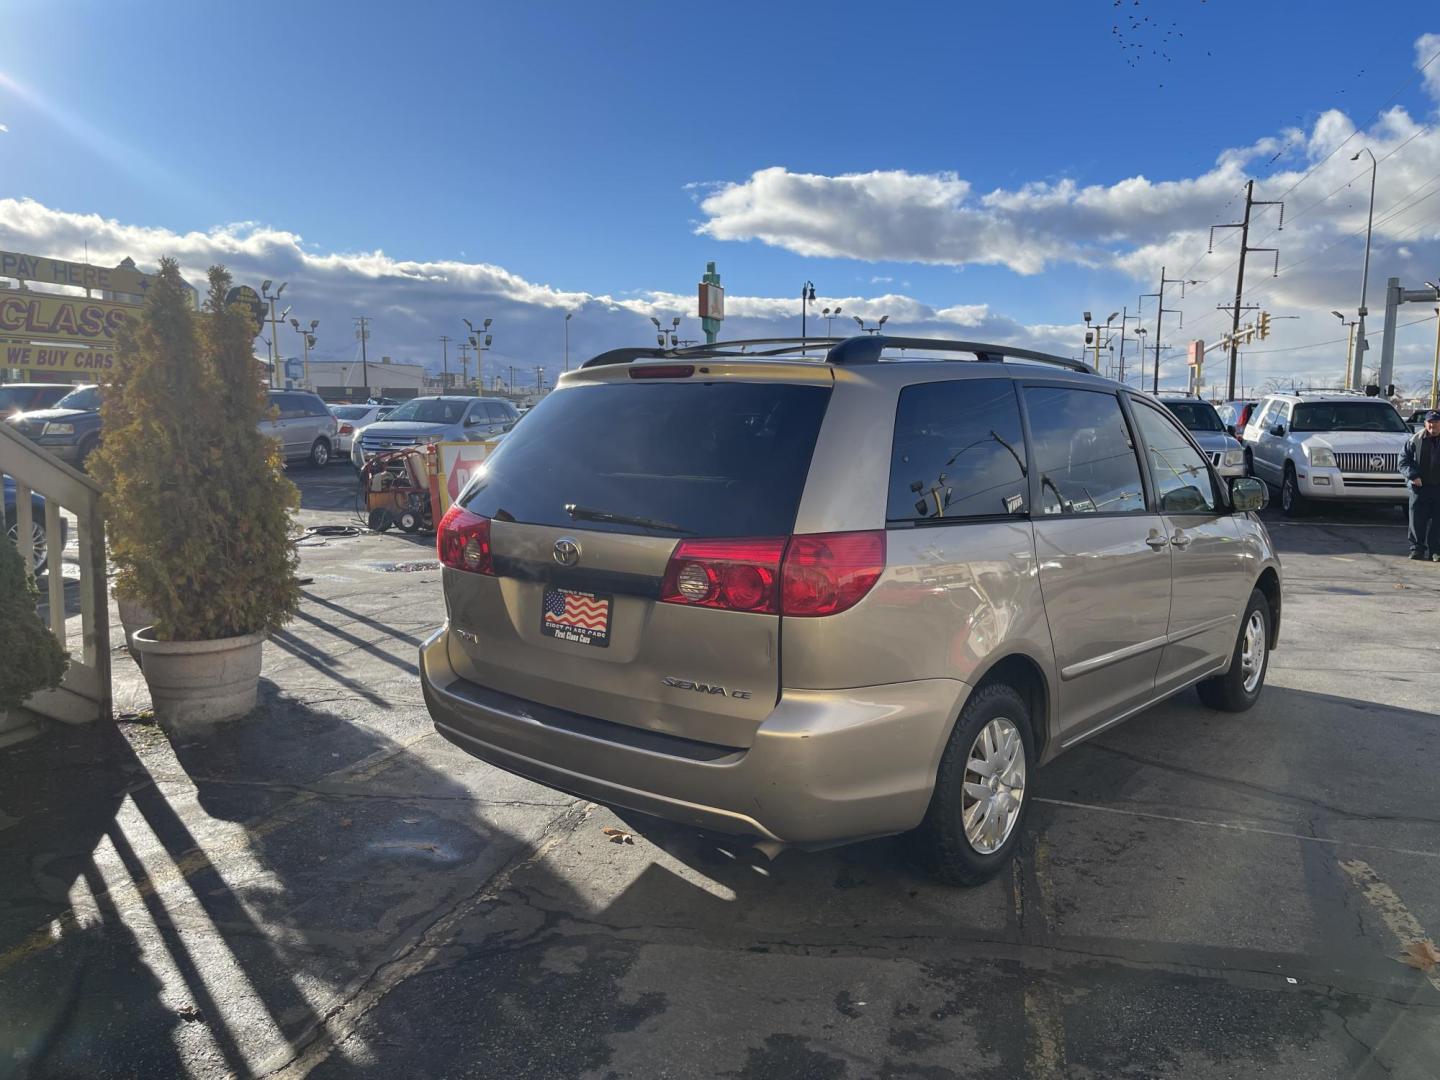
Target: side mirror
[(1248, 494), (1278, 431), (1230, 429)]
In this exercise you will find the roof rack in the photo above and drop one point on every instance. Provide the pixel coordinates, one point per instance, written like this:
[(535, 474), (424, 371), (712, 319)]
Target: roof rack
[(1324, 390), (862, 349)]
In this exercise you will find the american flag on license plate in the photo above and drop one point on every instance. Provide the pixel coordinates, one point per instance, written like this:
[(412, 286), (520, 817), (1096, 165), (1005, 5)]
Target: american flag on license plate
[(577, 610)]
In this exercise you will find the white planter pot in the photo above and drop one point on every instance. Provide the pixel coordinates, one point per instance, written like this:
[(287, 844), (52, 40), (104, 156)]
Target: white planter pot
[(133, 617), (200, 683)]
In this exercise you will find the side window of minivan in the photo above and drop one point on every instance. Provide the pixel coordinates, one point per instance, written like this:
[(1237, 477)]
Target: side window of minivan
[(292, 406), (959, 452), (1083, 452)]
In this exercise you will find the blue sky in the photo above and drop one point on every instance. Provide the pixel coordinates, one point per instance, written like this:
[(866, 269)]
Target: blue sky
[(581, 146)]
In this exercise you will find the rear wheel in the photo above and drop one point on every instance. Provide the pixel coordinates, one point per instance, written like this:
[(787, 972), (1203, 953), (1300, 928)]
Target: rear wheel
[(1292, 502), (40, 550), (1239, 688), (981, 796), (320, 453)]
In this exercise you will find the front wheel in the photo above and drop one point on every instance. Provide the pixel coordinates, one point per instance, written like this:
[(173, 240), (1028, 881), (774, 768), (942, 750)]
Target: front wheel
[(320, 453), (1292, 502), (981, 796), (1239, 688)]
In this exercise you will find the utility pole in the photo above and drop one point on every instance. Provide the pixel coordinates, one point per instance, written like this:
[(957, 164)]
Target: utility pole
[(1435, 370), (1125, 317), (444, 362), (1245, 249), (465, 366), (1160, 316), (364, 335)]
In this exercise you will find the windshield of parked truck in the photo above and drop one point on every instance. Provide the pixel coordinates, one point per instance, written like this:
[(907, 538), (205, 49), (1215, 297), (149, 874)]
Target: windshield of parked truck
[(1347, 416), (86, 398)]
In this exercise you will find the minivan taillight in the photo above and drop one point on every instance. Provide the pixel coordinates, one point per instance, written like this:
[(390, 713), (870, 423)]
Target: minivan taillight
[(463, 541), (826, 573), (807, 576), (736, 575)]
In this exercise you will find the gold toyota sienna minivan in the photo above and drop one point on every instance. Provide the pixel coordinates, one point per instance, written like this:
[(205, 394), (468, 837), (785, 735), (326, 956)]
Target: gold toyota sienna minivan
[(818, 591)]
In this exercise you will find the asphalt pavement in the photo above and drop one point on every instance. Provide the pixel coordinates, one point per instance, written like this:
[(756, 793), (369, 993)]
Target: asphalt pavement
[(329, 889)]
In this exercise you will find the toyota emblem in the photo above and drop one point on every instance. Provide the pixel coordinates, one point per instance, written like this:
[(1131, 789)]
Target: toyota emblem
[(567, 551), (1377, 462)]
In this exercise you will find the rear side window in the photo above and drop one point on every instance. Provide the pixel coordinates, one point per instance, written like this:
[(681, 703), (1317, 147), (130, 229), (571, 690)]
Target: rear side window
[(1083, 452), (664, 459), (959, 452), (292, 406), (314, 406)]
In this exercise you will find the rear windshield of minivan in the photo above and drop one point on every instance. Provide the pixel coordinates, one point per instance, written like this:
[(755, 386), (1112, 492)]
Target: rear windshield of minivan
[(682, 459)]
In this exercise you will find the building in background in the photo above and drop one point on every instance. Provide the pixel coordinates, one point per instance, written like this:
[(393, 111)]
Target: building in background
[(344, 380)]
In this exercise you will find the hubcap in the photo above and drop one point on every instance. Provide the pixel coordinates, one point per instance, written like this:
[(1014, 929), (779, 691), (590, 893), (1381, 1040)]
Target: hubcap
[(1252, 652), (994, 785), (39, 554)]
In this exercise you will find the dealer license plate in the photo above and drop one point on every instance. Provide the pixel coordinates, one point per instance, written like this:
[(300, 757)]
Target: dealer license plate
[(580, 617)]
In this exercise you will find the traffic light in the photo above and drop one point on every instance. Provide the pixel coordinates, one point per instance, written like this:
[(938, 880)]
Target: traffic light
[(1264, 325)]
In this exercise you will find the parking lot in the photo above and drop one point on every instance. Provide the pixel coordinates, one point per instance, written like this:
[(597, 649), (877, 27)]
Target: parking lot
[(328, 888)]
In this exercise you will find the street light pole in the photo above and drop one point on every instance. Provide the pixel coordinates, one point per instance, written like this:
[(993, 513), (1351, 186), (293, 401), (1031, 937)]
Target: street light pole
[(830, 315), (464, 366), (274, 337), (807, 296), (308, 337), (475, 343), (871, 329), (1349, 342), (1358, 375)]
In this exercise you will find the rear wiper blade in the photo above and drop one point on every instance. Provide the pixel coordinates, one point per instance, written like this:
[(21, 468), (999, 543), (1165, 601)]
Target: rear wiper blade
[(589, 513)]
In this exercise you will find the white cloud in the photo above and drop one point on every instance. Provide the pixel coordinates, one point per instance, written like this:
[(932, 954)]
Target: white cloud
[(4, 129), (412, 303)]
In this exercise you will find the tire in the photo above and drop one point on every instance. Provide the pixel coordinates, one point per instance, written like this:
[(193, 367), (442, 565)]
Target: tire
[(320, 453), (942, 845), (1292, 502), (379, 520), (1229, 692), (87, 447)]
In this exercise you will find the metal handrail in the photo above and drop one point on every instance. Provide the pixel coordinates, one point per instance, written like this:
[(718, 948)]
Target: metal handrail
[(85, 694)]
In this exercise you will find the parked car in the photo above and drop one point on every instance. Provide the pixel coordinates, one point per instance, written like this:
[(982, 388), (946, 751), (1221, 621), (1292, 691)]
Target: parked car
[(351, 419), (69, 429), (26, 397), (40, 546), (1236, 414), (446, 418), (973, 566), (1328, 446), (1203, 422), (1416, 419), (303, 423)]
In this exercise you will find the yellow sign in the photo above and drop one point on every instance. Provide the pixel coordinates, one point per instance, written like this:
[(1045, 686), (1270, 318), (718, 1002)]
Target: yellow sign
[(24, 355), (60, 272), (72, 320)]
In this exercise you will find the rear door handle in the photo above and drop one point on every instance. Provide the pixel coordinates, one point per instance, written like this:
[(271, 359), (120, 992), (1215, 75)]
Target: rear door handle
[(1156, 540), (1180, 540)]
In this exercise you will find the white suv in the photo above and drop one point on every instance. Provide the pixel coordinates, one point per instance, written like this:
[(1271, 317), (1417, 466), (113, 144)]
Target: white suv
[(1328, 445)]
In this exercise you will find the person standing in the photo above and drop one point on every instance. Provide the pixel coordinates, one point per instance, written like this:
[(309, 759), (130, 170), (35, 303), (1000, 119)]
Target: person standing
[(1420, 464)]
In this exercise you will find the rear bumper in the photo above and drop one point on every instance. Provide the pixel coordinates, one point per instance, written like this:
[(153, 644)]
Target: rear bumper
[(825, 765)]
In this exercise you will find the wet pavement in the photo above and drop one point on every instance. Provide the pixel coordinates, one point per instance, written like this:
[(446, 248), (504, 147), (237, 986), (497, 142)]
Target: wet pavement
[(327, 888)]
